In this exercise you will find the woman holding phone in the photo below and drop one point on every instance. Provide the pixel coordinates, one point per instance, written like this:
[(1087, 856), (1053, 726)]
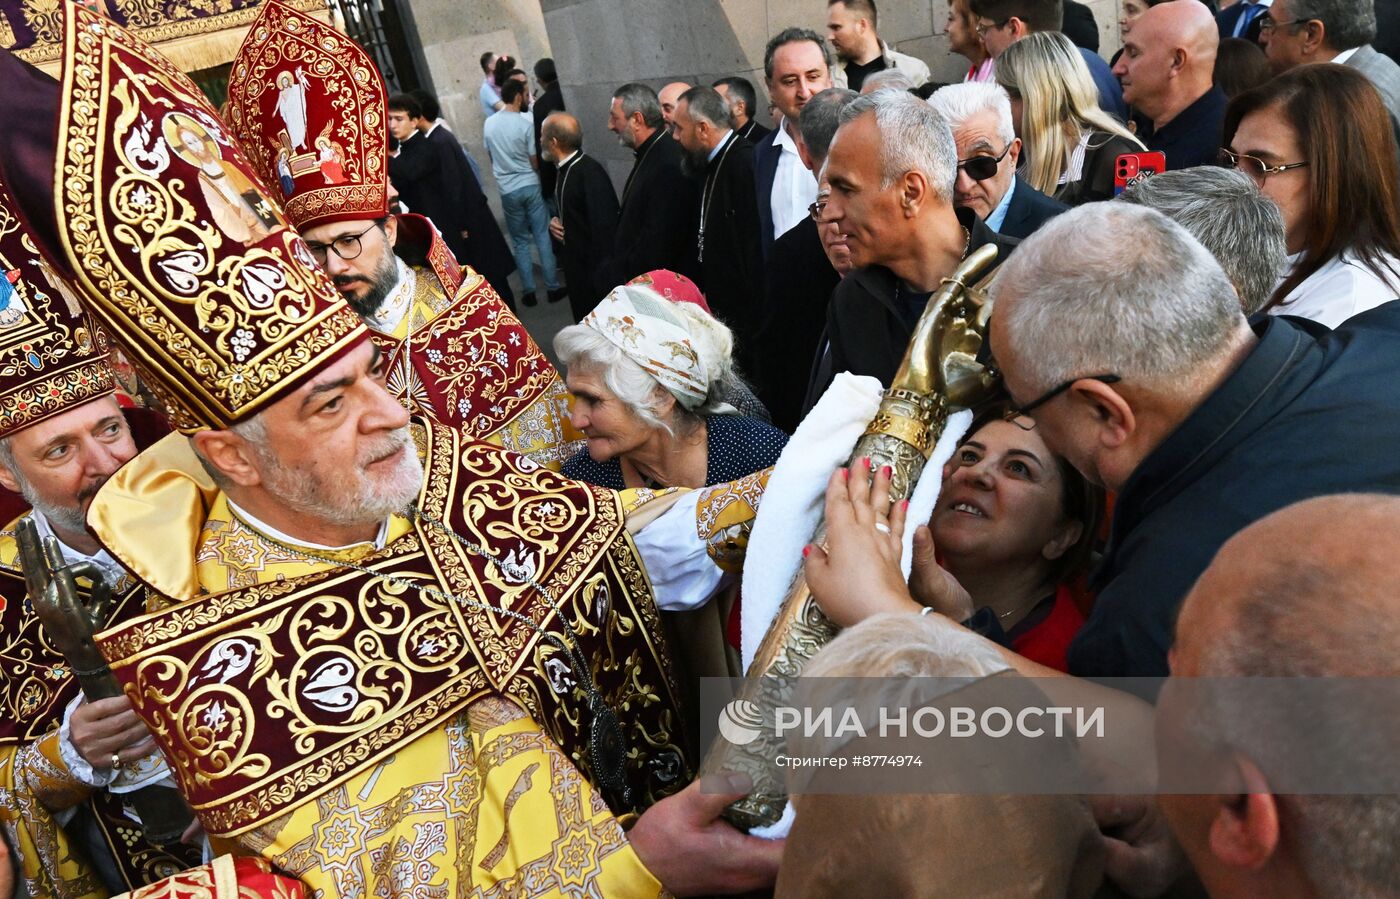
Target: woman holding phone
[(1069, 143)]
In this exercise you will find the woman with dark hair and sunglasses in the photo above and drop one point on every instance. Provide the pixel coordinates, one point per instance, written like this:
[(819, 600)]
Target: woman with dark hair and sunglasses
[(1015, 526), (1319, 143)]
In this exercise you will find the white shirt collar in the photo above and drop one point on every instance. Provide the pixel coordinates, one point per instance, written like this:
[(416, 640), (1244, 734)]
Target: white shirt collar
[(783, 139), (110, 567), (1342, 57), (720, 146), (565, 161), (395, 306), (380, 539)]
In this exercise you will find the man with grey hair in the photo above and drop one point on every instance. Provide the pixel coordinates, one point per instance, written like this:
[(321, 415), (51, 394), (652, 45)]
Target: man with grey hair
[(653, 226), (728, 258), (891, 169), (1140, 369), (988, 153), (889, 79), (1297, 32), (738, 92), (1225, 211), (804, 267)]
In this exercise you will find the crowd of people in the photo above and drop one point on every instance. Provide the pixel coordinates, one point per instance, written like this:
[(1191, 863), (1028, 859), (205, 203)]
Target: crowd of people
[(398, 608)]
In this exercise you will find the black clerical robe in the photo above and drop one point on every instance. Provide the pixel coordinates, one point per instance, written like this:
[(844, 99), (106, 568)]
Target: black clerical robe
[(728, 247), (434, 179), (588, 209), (550, 100), (655, 226)]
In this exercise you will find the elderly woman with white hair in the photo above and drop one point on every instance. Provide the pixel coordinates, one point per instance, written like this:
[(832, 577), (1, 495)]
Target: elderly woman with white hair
[(653, 382)]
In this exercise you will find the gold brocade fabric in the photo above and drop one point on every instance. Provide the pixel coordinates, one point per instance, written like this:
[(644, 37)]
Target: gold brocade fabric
[(34, 783), (51, 360), (369, 737), (182, 256), (724, 516), (465, 360), (225, 877), (474, 808), (37, 686)]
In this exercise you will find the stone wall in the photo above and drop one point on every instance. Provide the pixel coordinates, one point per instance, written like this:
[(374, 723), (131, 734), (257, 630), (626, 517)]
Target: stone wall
[(598, 45)]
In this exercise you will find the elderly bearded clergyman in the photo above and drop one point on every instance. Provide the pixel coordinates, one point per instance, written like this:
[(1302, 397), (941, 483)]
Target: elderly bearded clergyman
[(386, 659)]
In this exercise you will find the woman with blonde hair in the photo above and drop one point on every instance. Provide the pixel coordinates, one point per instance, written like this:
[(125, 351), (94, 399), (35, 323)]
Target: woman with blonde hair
[(1069, 144)]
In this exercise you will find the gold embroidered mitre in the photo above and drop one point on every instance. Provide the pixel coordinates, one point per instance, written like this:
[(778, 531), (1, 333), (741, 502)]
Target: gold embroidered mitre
[(188, 261), (308, 106), (51, 360)]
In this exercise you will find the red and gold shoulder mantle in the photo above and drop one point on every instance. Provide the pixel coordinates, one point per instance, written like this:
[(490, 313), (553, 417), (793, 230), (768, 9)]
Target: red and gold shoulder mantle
[(264, 698), (466, 360)]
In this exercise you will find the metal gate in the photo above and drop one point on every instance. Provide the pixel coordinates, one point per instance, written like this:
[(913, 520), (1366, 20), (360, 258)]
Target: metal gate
[(385, 29)]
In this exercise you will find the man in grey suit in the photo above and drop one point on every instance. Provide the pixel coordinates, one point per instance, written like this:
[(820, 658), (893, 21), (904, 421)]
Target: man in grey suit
[(1297, 32)]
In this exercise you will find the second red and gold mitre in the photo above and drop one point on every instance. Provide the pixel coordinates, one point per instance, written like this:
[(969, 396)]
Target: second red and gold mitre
[(308, 106), (190, 263), (51, 359)]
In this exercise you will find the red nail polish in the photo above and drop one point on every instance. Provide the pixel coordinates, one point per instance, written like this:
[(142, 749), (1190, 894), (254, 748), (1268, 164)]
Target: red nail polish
[(845, 473), (886, 471), (865, 462), (806, 551), (904, 505)]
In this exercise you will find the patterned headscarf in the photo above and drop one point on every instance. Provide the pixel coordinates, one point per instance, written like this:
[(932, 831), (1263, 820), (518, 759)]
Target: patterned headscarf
[(641, 319), (675, 287)]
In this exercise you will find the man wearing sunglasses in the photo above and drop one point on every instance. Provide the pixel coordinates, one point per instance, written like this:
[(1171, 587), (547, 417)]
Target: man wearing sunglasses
[(988, 151)]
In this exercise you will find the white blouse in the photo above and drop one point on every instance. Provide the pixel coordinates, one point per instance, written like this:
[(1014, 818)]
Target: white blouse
[(1343, 287)]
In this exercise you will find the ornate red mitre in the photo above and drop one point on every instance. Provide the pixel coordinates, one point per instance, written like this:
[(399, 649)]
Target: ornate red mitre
[(184, 257), (51, 359), (308, 105)]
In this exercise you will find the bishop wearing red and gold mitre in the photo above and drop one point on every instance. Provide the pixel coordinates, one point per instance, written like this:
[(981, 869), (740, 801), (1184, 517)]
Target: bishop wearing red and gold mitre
[(301, 93), (382, 657)]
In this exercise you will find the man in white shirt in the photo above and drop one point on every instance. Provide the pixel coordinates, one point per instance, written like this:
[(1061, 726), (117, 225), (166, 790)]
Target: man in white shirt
[(798, 67)]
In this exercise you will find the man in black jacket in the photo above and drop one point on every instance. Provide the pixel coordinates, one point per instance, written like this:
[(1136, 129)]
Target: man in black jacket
[(900, 226), (743, 107), (728, 255), (587, 219), (654, 228), (988, 154), (550, 101), (801, 277), (1201, 423), (433, 179)]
